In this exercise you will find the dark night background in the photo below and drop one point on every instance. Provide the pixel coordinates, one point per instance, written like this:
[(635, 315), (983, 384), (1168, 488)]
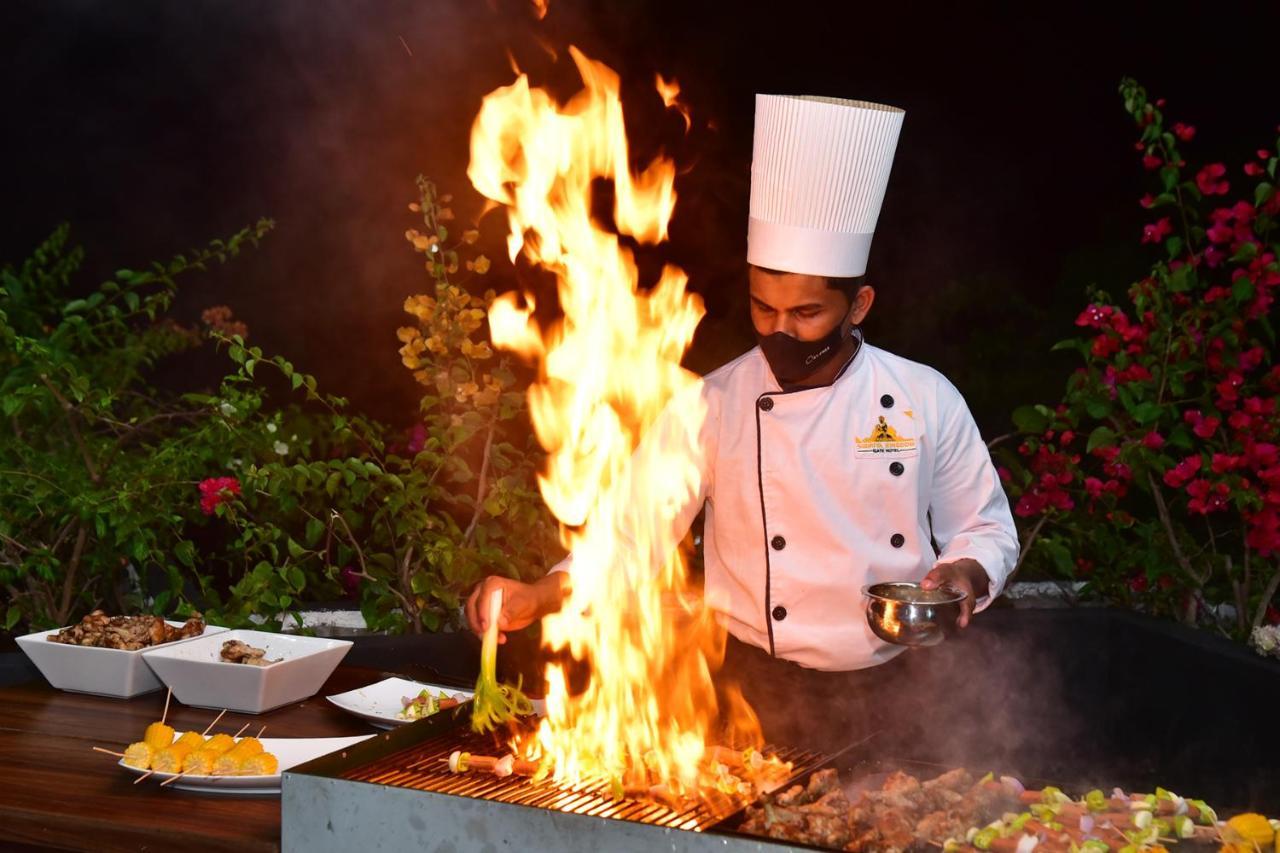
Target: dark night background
[(154, 126)]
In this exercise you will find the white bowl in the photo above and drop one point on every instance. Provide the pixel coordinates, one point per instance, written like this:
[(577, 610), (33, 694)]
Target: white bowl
[(199, 677), (100, 671)]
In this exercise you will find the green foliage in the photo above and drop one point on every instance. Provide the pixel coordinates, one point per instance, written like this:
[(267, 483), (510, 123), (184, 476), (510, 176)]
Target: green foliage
[(97, 468), (245, 502)]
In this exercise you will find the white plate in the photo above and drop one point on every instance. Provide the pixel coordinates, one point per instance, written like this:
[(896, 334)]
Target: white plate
[(290, 751), (116, 673), (380, 703), (201, 679)]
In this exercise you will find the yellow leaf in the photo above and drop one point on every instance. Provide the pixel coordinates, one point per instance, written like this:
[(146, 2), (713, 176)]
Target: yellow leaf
[(406, 334), (482, 265), (470, 236)]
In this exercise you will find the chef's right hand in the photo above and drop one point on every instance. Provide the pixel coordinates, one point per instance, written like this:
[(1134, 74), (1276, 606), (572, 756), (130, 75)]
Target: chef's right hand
[(522, 603)]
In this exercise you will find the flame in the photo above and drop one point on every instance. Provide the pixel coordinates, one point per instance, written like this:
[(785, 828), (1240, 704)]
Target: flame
[(540, 8), (609, 371), (670, 92)]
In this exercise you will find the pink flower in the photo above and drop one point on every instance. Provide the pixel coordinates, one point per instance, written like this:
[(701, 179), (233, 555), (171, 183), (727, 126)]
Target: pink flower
[(1209, 179), (1207, 497), (1214, 257), (1147, 200), (1228, 389), (1095, 316), (1153, 440), (1005, 476), (1224, 463), (1093, 486), (1184, 132), (1207, 427), (217, 490), (1263, 154), (417, 439), (1254, 169), (1157, 231), (1180, 474), (1251, 358), (1151, 163)]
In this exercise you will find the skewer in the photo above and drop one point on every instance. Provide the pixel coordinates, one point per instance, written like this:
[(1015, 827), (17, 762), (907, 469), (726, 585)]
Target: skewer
[(173, 779), (260, 731), (242, 728), (165, 715), (143, 776), (214, 723), (108, 752)]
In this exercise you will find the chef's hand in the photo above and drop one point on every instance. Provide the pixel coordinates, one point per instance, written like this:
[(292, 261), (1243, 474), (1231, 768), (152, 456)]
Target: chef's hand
[(965, 576), (522, 603)]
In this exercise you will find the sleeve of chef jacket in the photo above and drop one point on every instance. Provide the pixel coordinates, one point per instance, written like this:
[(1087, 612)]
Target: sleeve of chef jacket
[(968, 507), (667, 440)]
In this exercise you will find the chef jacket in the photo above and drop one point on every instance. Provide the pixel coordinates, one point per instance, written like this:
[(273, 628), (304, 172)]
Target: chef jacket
[(812, 494)]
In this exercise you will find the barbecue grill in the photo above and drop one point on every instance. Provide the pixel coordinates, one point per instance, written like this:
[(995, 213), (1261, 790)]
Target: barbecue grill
[(396, 792)]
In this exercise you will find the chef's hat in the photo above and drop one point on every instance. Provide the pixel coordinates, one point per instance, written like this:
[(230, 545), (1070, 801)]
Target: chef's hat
[(818, 178)]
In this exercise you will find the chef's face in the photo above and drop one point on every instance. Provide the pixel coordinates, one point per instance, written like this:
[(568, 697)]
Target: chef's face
[(805, 307)]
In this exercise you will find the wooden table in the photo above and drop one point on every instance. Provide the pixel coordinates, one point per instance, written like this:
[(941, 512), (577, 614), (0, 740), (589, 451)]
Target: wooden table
[(57, 792)]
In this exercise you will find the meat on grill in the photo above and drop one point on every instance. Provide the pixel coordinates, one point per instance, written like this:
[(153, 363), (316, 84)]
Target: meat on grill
[(127, 633), (904, 814)]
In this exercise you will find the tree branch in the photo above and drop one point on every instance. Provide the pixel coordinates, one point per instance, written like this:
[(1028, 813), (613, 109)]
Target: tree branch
[(70, 410), (483, 488), (1267, 594), (1167, 522), (1026, 548), (68, 583)]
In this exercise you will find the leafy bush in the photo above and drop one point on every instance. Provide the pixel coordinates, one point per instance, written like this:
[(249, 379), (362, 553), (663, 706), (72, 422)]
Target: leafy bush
[(1156, 478), (115, 492)]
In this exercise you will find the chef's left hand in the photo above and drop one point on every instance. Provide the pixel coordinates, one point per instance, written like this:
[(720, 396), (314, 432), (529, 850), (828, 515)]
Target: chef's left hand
[(964, 575)]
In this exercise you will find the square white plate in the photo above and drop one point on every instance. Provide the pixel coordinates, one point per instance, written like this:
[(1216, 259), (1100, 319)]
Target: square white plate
[(103, 672), (380, 703), (290, 751), (201, 679)]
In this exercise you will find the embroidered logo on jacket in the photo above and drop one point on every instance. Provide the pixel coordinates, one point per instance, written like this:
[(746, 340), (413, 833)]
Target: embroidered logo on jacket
[(884, 439)]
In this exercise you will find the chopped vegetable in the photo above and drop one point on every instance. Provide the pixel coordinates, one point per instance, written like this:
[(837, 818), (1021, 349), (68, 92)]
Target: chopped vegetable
[(984, 838)]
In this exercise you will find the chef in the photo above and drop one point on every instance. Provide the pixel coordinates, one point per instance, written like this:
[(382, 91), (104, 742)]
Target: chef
[(830, 464)]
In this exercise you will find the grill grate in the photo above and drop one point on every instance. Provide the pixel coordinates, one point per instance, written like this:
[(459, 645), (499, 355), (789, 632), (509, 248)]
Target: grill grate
[(425, 767)]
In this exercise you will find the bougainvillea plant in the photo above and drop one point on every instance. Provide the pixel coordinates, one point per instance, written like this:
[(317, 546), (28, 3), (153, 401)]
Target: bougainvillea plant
[(1156, 478), (405, 523)]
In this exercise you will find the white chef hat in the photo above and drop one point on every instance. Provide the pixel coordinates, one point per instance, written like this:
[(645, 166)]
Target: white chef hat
[(818, 178)]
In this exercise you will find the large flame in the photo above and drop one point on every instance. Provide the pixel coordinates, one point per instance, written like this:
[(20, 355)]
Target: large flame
[(609, 374)]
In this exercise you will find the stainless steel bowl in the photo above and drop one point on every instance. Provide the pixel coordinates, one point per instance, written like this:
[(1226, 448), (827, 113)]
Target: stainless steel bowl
[(904, 614)]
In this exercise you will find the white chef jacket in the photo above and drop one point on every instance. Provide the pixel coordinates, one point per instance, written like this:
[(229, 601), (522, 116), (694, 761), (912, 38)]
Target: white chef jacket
[(812, 494)]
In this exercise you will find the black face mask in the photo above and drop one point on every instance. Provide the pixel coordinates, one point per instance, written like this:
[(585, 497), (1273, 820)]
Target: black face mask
[(792, 360)]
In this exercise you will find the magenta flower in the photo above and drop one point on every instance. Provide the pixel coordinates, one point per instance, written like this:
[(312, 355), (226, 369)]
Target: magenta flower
[(1209, 179), (217, 490), (1151, 163), (1157, 231), (1184, 132), (1179, 475)]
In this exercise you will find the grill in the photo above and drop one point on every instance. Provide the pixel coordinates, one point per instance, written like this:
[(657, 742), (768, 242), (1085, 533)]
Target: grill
[(396, 791), (425, 768)]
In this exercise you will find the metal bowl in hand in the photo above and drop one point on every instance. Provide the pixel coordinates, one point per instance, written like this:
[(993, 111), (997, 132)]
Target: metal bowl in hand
[(906, 615)]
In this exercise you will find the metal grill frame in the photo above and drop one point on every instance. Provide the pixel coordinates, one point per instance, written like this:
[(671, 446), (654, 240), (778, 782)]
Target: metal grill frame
[(324, 808)]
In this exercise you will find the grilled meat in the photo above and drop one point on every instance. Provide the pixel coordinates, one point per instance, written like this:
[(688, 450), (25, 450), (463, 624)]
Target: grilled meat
[(127, 633), (234, 651), (905, 814)]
